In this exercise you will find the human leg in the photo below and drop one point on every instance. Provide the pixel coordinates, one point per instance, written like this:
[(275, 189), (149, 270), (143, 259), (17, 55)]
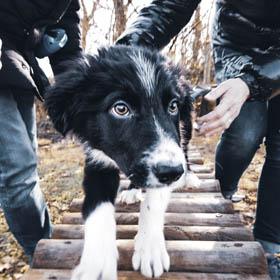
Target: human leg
[(238, 145), (20, 195), (267, 225)]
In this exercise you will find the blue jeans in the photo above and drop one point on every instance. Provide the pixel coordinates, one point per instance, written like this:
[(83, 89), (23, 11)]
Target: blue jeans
[(20, 195), (238, 145)]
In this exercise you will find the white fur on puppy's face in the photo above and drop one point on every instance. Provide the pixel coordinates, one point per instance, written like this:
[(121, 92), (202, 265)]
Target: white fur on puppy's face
[(99, 257), (165, 151)]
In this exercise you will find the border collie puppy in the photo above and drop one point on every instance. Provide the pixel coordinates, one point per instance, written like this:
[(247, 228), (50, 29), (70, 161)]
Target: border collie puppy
[(128, 105)]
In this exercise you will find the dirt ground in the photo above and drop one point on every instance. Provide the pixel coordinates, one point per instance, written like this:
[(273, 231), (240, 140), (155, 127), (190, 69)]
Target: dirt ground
[(61, 168)]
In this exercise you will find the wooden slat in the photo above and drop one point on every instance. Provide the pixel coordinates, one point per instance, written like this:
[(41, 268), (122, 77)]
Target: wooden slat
[(196, 195), (53, 274), (196, 160), (206, 185), (176, 205), (75, 206), (171, 233), (185, 256), (206, 175), (201, 169), (180, 219), (194, 154)]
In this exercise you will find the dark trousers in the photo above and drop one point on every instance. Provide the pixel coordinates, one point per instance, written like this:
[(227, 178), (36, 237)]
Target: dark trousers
[(257, 121)]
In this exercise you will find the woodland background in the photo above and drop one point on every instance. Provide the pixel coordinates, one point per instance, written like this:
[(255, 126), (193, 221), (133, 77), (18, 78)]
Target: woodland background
[(61, 160)]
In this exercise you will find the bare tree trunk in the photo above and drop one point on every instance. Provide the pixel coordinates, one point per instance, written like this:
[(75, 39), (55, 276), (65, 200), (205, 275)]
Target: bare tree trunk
[(207, 107), (120, 17), (87, 20), (196, 46)]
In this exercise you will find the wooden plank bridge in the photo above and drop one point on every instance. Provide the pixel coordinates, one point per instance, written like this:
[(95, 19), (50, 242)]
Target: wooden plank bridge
[(206, 239)]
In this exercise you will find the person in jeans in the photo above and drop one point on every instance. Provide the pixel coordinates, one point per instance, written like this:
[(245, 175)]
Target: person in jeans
[(23, 24), (246, 47)]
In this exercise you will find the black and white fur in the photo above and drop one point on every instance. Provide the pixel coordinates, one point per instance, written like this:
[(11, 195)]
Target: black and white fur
[(144, 144)]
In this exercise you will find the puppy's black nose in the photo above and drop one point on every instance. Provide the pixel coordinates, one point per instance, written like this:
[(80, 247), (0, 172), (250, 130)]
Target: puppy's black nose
[(167, 174)]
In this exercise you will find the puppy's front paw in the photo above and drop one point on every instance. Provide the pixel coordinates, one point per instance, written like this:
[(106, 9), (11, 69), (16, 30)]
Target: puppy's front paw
[(150, 255), (192, 180), (99, 267), (130, 196)]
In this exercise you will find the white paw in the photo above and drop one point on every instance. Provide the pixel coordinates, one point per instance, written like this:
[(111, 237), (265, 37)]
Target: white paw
[(150, 255), (97, 269), (100, 253), (192, 180), (130, 196)]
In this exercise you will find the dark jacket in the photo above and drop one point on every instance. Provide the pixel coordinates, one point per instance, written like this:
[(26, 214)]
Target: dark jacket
[(246, 37), (21, 24)]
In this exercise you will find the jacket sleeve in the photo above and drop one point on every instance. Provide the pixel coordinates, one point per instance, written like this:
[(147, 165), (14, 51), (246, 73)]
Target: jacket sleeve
[(265, 70), (261, 72), (70, 22), (0, 53), (158, 23)]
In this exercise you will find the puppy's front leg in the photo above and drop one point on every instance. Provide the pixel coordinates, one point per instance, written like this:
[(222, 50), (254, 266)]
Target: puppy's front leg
[(150, 254), (99, 256)]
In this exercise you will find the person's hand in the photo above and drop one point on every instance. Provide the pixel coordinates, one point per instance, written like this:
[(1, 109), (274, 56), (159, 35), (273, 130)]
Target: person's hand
[(233, 94)]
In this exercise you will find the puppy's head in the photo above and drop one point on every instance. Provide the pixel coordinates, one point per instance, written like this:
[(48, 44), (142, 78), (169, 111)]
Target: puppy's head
[(126, 102)]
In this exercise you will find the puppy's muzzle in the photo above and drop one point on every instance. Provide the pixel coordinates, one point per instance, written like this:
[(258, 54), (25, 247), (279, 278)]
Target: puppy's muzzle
[(167, 174)]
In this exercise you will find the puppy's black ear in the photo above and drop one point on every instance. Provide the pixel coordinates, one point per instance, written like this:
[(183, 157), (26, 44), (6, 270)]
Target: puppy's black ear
[(185, 114), (186, 120), (186, 106), (62, 99)]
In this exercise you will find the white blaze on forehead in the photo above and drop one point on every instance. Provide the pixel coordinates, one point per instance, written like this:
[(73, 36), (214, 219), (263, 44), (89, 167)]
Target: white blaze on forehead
[(167, 152), (166, 149), (145, 71)]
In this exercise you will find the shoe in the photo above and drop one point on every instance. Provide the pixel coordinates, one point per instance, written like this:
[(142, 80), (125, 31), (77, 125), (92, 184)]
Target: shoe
[(233, 196)]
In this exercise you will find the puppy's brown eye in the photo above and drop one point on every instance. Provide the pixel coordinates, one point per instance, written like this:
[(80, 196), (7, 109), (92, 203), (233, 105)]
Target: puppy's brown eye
[(120, 110), (173, 107)]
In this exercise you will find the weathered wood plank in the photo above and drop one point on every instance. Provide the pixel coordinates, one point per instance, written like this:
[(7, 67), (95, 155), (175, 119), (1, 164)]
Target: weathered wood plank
[(185, 256), (196, 160), (196, 195), (194, 154), (201, 169), (176, 205), (171, 232), (53, 274), (206, 175), (206, 185), (177, 219)]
